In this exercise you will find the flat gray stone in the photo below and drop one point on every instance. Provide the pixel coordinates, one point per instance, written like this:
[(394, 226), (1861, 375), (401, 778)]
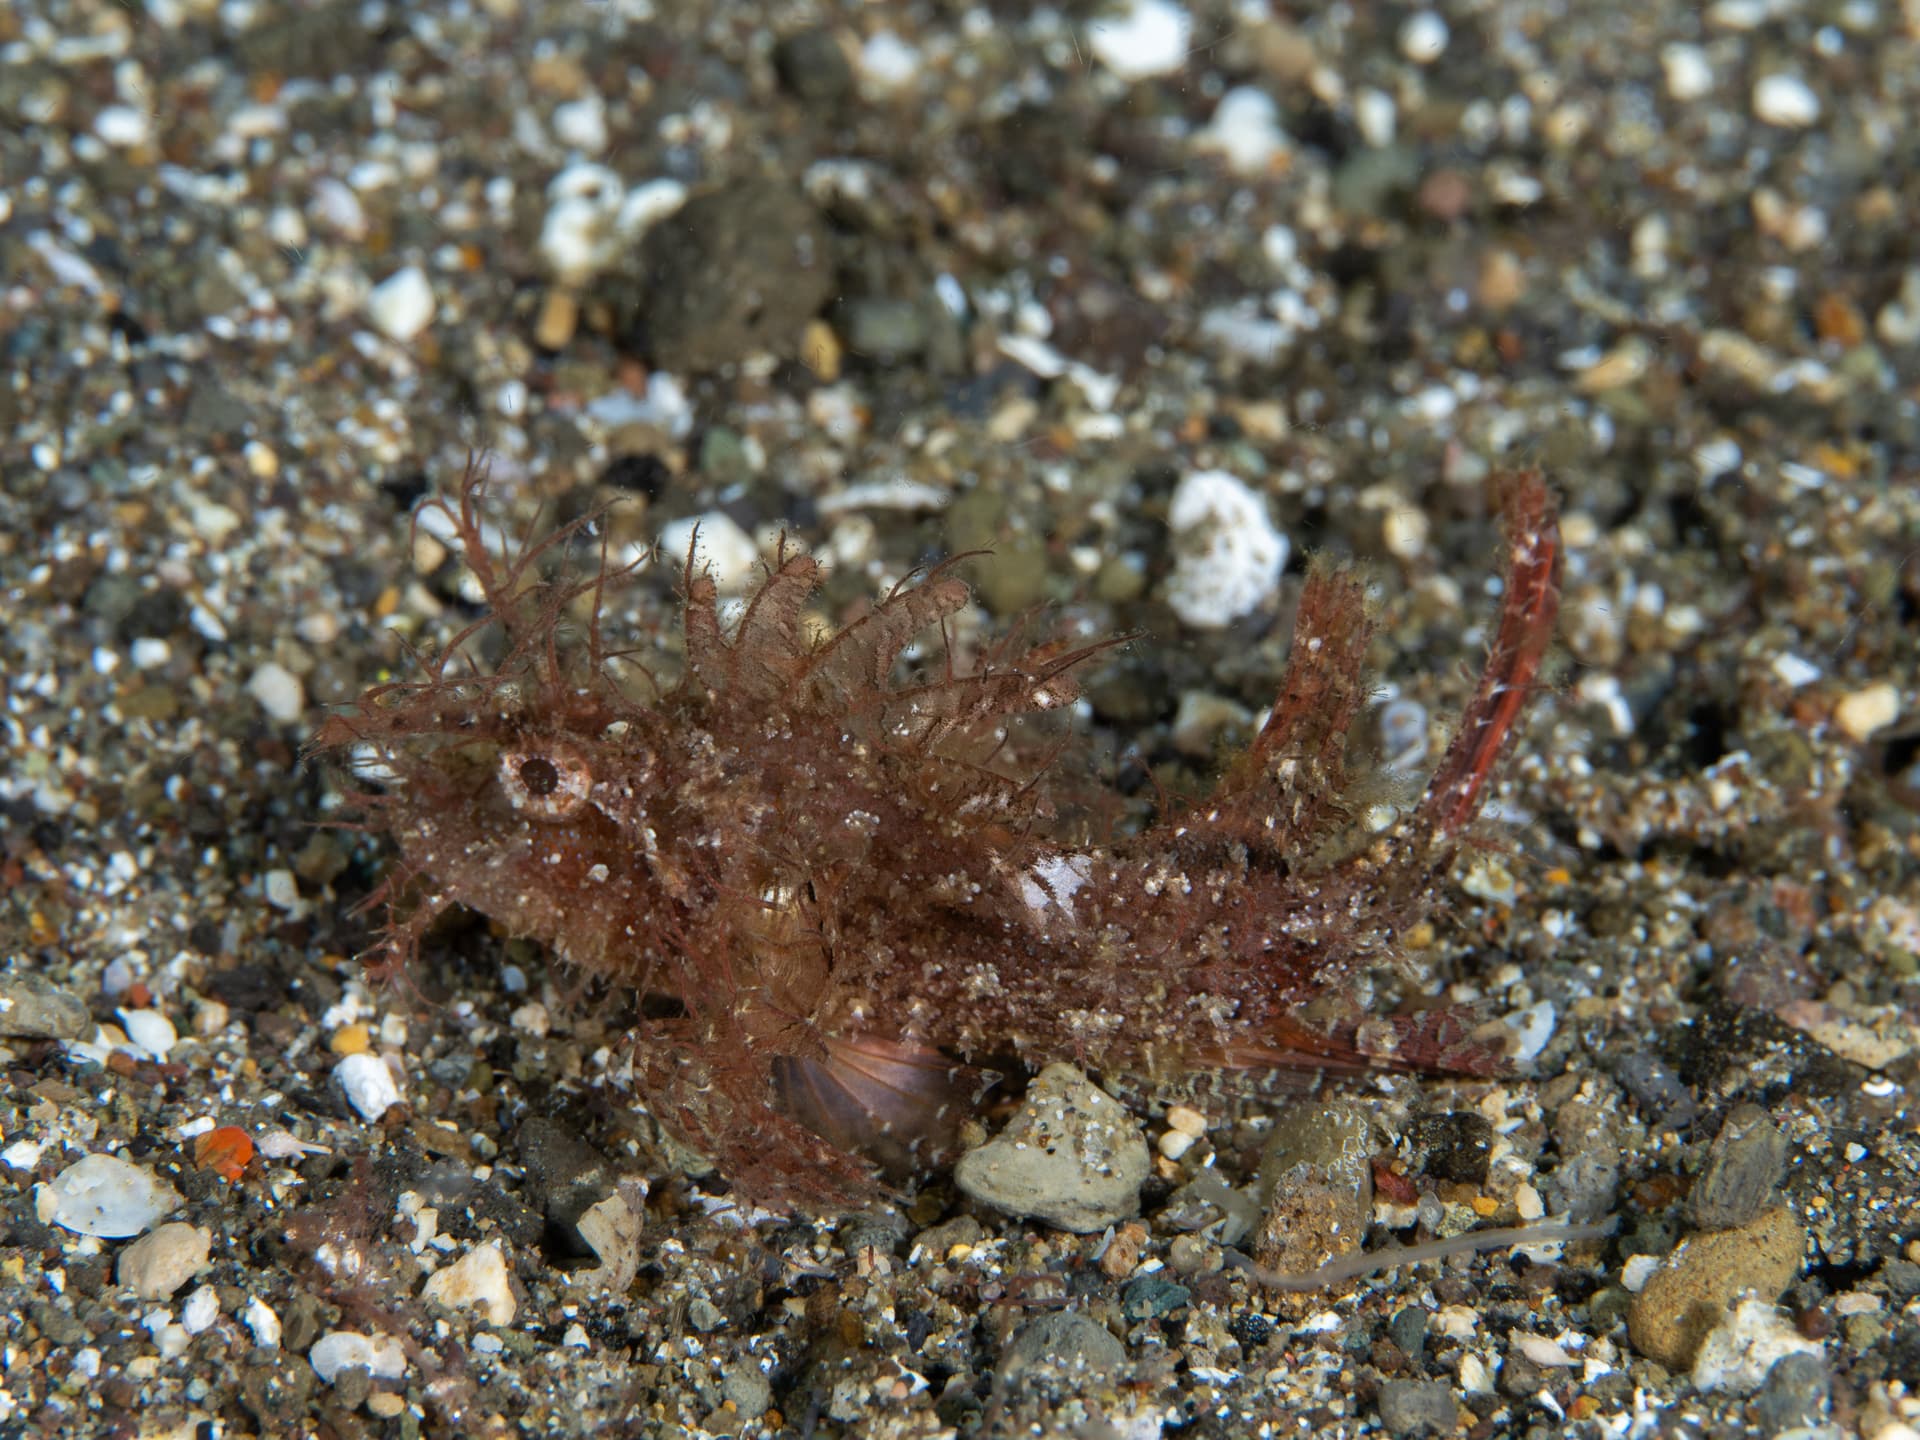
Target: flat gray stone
[(34, 1009), (1744, 1163), (1073, 1157)]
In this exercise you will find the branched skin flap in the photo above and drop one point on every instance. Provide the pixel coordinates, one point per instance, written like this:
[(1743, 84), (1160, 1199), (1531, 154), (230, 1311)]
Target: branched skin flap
[(853, 898)]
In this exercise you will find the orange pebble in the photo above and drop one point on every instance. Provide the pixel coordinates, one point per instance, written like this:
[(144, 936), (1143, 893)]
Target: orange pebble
[(225, 1151)]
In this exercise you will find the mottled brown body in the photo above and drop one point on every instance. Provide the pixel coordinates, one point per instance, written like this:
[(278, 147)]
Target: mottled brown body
[(857, 903)]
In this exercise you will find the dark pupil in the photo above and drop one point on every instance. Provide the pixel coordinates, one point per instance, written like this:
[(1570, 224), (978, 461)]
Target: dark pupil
[(539, 776)]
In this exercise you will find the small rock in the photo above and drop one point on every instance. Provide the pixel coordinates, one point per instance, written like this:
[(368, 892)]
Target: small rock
[(719, 546), (738, 271), (159, 1263), (747, 1386), (1744, 1163), (368, 1084), (1151, 1296), (1424, 37), (200, 1310), (1457, 1146), (150, 1031), (1317, 1175), (1140, 38), (402, 305), (1660, 1093), (1227, 554), (1072, 1156), (476, 1281), (106, 1196), (338, 1351), (1418, 1407), (885, 328), (1204, 720), (1686, 1297), (1067, 1344), (613, 1230), (1743, 1349), (1872, 708), (1785, 100), (279, 692), (1794, 1393), (704, 1315), (32, 1009), (812, 65), (262, 1322)]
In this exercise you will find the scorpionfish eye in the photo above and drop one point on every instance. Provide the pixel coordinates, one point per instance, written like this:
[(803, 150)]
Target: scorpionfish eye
[(547, 780)]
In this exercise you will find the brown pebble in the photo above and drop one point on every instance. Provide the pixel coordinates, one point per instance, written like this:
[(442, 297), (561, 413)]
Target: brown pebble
[(1687, 1296), (559, 317), (1123, 1253)]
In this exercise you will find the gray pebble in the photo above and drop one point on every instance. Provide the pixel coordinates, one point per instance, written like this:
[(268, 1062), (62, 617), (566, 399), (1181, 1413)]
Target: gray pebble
[(737, 271), (1902, 1279), (749, 1390), (885, 328), (1408, 1330), (1418, 1407), (33, 1009), (1317, 1175), (1744, 1163), (1062, 1343), (1661, 1095), (1152, 1296), (1072, 1156), (1794, 1394)]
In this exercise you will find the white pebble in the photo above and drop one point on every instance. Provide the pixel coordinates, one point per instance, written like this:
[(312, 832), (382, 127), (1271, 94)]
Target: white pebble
[(159, 1263), (338, 1350), (1793, 671), (1548, 1354), (368, 1084), (1175, 1143), (1867, 710), (1736, 1356), (582, 124), (1527, 1203), (336, 205), (476, 1281), (572, 237), (279, 692), (532, 1019), (262, 1323), (1423, 38), (723, 548), (1532, 1028), (150, 1031), (122, 126), (888, 63), (1689, 72), (106, 1196), (1785, 100), (1187, 1120), (1376, 116), (1637, 1271), (1246, 130), (200, 1310), (646, 205), (1142, 38), (281, 888), (402, 305), (1228, 555)]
